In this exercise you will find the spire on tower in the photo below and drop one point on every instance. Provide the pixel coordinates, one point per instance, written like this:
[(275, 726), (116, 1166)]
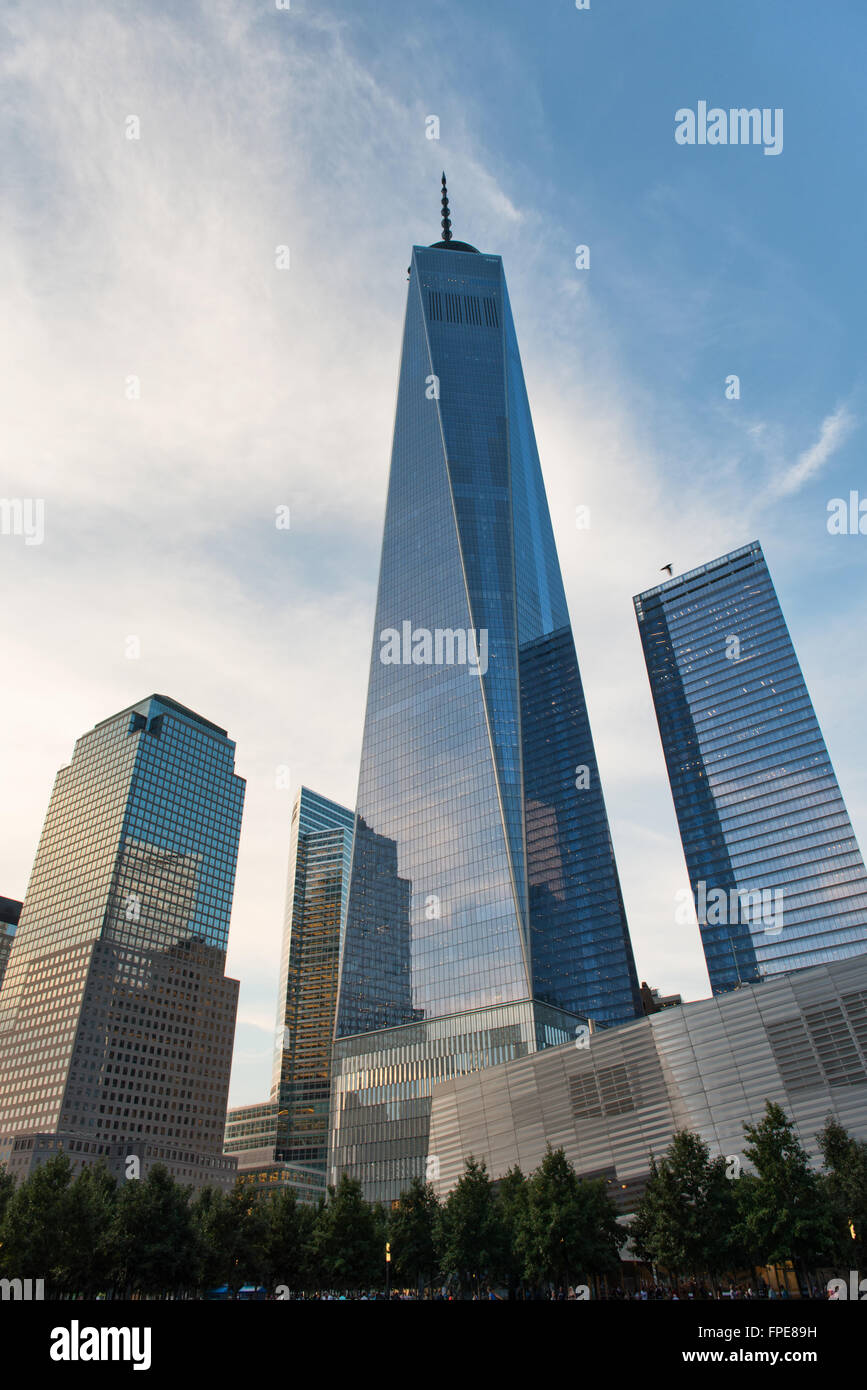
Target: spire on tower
[(448, 243), (447, 222)]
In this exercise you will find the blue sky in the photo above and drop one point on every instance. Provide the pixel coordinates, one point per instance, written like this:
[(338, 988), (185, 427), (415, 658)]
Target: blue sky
[(155, 258)]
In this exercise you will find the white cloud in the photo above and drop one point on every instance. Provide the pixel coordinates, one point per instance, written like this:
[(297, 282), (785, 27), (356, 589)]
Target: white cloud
[(155, 258), (833, 433)]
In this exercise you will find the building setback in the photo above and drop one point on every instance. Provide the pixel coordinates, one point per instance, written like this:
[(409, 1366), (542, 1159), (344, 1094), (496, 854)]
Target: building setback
[(286, 1138), (485, 914), (776, 873), (116, 1018), (799, 1040)]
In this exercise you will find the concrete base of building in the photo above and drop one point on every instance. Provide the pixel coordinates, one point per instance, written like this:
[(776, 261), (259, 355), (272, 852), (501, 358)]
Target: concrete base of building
[(620, 1094), (23, 1153)]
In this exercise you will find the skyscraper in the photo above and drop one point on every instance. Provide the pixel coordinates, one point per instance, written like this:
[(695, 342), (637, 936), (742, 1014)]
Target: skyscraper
[(777, 876), (485, 915), (286, 1138), (116, 1018), (319, 860), (10, 912)]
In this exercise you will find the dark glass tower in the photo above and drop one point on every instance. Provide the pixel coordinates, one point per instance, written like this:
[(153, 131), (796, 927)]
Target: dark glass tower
[(776, 872), (319, 862), (286, 1139), (116, 1018), (10, 912), (485, 912)]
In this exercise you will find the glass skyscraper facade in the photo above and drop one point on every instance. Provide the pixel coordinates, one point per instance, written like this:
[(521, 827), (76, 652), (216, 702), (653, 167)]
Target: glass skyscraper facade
[(287, 1137), (485, 915), (116, 1019), (320, 855), (10, 912), (777, 875)]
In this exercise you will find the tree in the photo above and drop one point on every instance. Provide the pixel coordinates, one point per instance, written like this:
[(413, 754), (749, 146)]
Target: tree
[(686, 1216), (570, 1227), (288, 1238), (412, 1232), (91, 1206), (784, 1212), (7, 1187), (512, 1197), (845, 1161), (246, 1236), (153, 1242), (472, 1234), (349, 1239), (211, 1221), (35, 1232), (602, 1235)]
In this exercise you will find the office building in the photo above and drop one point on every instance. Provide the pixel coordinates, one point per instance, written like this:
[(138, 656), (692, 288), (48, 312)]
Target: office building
[(777, 876), (10, 912), (652, 1000), (485, 915), (116, 1018), (286, 1138), (799, 1040)]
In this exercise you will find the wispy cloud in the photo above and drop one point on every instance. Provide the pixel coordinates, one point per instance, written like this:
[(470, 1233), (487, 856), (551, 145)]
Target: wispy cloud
[(154, 258), (833, 433)]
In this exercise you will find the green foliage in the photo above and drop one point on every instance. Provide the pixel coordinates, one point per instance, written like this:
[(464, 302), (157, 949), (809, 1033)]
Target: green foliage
[(784, 1210), (686, 1218), (92, 1203), (412, 1233), (845, 1184), (36, 1231), (152, 1235), (602, 1236), (471, 1237), (247, 1236), (513, 1214), (569, 1227), (213, 1254), (7, 1187), (289, 1231), (349, 1239)]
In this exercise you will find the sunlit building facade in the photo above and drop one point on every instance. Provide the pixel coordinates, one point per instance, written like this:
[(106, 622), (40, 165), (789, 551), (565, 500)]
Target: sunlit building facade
[(777, 876), (116, 1018), (485, 916)]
